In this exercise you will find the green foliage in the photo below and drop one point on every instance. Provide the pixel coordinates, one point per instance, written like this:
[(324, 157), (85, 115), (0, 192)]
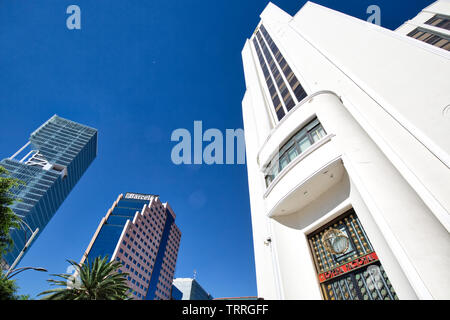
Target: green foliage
[(92, 281), (7, 217), (8, 288)]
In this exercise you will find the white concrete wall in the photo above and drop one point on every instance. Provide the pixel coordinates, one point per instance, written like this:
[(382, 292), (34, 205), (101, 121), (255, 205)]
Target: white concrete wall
[(265, 276), (392, 134)]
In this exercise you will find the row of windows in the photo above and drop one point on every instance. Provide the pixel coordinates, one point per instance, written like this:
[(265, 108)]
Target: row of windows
[(159, 216), (302, 140), (284, 88), (58, 142), (147, 222), (65, 138), (53, 142), (132, 252), (172, 250), (157, 229), (150, 253), (160, 294), (132, 280), (175, 234), (138, 279), (171, 254), (427, 36), (279, 81), (137, 294), (47, 134), (269, 82), (137, 264), (167, 265), (164, 284), (138, 273), (138, 285), (298, 90), (74, 129), (439, 21)]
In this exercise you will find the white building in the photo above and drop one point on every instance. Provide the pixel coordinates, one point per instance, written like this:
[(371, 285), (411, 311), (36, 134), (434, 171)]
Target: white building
[(431, 25), (347, 128)]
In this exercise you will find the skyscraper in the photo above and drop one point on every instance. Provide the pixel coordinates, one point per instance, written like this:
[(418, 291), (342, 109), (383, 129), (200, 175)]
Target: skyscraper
[(191, 289), (50, 165), (348, 156), (140, 232)]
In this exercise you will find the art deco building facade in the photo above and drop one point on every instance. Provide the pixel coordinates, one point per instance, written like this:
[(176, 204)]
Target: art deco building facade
[(139, 231), (49, 166), (346, 129)]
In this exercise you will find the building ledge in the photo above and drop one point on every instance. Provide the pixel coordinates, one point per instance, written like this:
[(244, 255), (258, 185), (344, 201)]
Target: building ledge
[(299, 158)]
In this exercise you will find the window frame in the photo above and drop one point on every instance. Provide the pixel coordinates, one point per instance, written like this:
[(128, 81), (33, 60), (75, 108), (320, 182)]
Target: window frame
[(274, 168)]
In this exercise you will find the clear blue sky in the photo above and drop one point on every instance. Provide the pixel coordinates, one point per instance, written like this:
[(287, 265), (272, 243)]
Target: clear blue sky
[(136, 71)]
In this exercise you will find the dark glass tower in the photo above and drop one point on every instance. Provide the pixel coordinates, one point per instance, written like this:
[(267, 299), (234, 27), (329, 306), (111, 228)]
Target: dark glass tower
[(59, 152)]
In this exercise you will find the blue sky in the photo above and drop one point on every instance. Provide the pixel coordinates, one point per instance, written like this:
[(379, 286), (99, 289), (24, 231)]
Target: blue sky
[(136, 71)]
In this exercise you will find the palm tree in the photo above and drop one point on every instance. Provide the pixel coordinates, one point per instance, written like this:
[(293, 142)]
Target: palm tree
[(97, 281)]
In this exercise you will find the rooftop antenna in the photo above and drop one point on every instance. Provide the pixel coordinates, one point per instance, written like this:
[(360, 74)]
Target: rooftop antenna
[(195, 274)]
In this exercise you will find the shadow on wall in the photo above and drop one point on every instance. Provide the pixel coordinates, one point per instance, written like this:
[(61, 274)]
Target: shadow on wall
[(325, 203)]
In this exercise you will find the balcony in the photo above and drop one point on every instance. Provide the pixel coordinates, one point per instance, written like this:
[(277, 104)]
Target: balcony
[(311, 171)]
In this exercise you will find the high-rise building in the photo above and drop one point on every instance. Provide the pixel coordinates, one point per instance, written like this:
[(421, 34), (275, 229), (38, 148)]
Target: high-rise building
[(346, 130), (49, 165), (431, 25), (191, 289), (140, 232)]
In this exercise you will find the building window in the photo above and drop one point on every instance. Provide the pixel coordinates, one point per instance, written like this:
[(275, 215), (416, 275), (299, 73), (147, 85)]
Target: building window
[(283, 86), (302, 140), (298, 90), (439, 21), (429, 37)]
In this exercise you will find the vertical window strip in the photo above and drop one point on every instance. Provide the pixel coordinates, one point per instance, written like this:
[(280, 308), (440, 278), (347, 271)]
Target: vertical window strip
[(295, 85), (285, 90), (279, 103), (279, 110)]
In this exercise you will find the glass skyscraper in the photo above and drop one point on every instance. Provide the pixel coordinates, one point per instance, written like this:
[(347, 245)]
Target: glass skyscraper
[(189, 289), (140, 232), (49, 165)]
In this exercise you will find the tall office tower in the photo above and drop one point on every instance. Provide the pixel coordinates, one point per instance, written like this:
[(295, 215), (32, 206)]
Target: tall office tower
[(346, 129), (431, 25), (140, 232), (50, 165), (190, 289)]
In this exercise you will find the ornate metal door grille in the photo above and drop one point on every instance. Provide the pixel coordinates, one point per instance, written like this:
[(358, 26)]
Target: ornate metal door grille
[(356, 273)]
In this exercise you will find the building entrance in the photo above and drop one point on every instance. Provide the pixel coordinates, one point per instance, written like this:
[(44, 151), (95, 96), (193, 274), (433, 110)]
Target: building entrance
[(347, 266)]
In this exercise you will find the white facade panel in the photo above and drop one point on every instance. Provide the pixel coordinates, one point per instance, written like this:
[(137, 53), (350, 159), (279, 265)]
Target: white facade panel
[(380, 97)]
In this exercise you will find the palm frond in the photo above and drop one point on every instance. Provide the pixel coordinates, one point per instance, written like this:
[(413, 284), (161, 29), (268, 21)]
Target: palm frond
[(97, 280)]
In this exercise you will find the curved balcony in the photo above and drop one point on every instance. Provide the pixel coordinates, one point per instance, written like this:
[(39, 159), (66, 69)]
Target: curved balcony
[(309, 170), (292, 122)]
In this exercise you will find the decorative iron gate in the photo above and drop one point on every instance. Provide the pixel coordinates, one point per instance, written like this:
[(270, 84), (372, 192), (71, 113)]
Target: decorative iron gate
[(347, 265)]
